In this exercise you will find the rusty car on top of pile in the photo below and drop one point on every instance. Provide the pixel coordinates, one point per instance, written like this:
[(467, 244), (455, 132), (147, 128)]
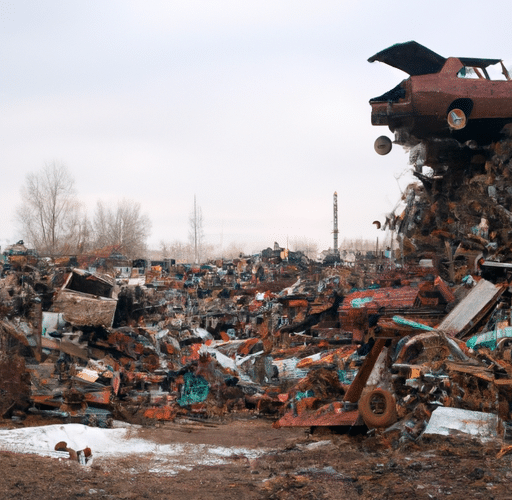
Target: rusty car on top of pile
[(452, 97)]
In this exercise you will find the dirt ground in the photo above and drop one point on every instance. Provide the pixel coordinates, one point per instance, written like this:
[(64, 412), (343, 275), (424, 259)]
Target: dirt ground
[(299, 465)]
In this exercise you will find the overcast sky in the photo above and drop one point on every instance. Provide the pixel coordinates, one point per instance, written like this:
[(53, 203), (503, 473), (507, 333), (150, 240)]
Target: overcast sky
[(259, 108)]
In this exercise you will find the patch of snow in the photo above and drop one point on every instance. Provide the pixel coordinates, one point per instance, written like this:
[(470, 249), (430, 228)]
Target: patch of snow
[(166, 459)]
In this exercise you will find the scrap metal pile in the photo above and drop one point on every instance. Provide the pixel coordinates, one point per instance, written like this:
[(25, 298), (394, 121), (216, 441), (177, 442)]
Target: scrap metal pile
[(390, 342), (274, 335), (144, 343)]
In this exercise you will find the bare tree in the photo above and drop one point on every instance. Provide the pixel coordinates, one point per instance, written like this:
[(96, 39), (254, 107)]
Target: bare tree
[(196, 233), (84, 234), (79, 237), (49, 217), (357, 244), (308, 246), (177, 250), (165, 249), (182, 252), (233, 250), (208, 251), (123, 226)]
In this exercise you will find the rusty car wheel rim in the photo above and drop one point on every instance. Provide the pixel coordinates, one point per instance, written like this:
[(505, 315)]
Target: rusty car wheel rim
[(378, 404), (456, 119)]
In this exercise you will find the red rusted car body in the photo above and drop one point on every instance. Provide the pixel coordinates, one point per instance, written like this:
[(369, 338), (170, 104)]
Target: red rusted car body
[(443, 97)]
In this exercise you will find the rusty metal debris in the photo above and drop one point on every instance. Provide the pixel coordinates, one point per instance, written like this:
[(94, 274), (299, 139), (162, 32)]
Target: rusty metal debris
[(81, 456), (378, 340), (289, 340)]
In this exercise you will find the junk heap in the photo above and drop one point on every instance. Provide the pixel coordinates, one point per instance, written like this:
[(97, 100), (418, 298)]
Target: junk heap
[(407, 342), (275, 335)]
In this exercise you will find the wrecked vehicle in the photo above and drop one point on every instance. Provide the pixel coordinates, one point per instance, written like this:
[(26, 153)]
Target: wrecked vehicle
[(86, 299), (443, 97)]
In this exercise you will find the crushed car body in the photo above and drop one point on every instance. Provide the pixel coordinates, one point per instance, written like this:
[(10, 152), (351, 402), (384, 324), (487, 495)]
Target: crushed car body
[(452, 97)]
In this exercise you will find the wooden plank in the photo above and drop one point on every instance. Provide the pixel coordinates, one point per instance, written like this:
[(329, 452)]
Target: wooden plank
[(73, 349), (476, 371)]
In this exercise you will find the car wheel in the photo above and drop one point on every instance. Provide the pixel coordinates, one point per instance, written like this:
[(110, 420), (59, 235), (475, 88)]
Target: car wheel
[(383, 145), (377, 408), (456, 119)]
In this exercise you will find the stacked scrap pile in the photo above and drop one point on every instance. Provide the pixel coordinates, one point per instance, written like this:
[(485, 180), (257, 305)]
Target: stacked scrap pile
[(447, 345), (423, 368), (460, 213), (293, 341), (191, 341)]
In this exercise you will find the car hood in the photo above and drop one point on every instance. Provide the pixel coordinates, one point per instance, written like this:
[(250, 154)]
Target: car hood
[(411, 57)]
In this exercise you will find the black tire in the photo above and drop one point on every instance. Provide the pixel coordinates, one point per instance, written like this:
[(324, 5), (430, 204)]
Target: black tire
[(377, 408)]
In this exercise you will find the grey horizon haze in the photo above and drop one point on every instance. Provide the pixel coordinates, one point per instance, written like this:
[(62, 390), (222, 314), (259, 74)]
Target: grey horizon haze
[(259, 109)]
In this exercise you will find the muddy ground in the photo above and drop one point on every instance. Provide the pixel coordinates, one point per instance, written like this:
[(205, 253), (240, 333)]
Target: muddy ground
[(301, 465)]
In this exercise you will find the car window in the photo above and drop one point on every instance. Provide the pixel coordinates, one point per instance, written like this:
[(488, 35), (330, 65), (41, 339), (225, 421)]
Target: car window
[(494, 72), (469, 72)]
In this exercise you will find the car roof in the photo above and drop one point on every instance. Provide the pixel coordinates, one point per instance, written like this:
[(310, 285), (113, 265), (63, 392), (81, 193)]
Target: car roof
[(478, 63), (416, 59)]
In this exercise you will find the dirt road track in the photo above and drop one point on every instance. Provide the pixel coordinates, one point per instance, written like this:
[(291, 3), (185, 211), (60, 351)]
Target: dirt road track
[(323, 465)]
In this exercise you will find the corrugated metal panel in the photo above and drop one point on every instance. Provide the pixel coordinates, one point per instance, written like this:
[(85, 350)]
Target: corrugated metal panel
[(471, 309), (388, 297)]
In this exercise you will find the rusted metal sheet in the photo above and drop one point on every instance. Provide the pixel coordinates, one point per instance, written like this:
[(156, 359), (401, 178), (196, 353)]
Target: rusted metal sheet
[(324, 358), (46, 399), (354, 319), (298, 303), (249, 346), (99, 397), (330, 415), (444, 290), (476, 371), (125, 342), (471, 309), (434, 293), (381, 297), (320, 308), (50, 343), (161, 413), (73, 349)]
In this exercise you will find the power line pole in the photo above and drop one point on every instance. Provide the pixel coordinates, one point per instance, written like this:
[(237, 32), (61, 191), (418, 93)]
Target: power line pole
[(335, 219), (196, 257)]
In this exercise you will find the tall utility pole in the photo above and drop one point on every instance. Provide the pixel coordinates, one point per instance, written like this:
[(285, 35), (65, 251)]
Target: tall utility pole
[(195, 234), (335, 219), (196, 257)]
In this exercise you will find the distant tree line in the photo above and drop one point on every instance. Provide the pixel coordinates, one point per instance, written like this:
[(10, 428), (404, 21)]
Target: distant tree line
[(186, 252), (358, 245), (52, 220)]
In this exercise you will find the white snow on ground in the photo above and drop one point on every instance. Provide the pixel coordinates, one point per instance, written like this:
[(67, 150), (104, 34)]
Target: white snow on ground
[(108, 444)]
